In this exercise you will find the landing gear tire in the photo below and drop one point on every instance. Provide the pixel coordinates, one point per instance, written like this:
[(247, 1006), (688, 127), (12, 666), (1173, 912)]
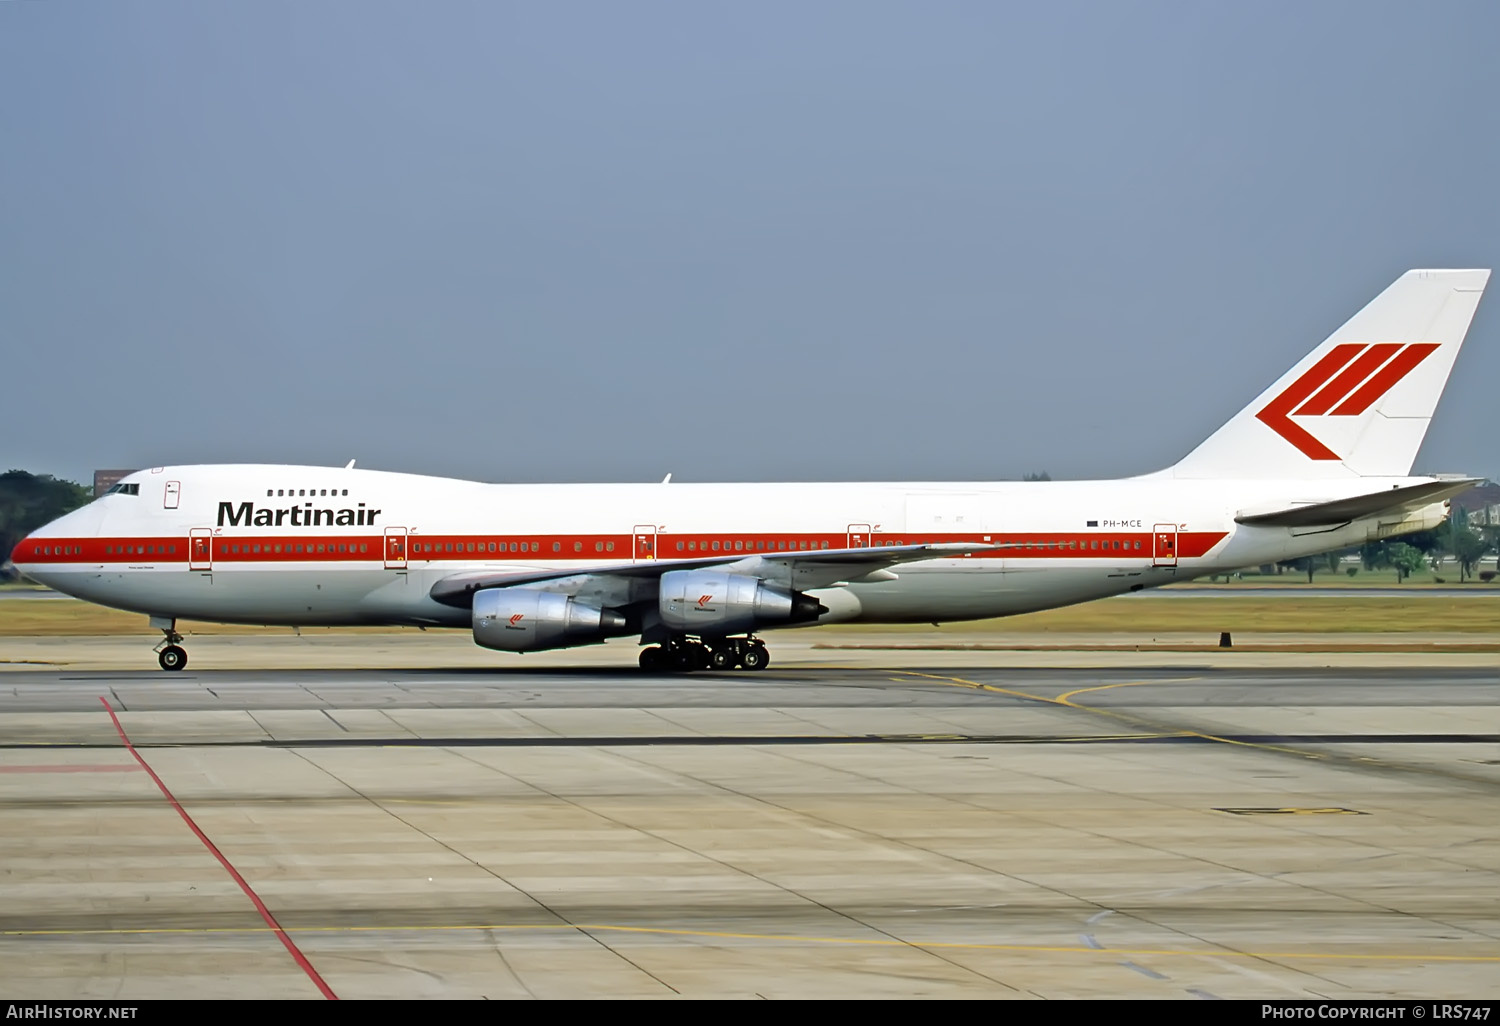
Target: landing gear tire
[(172, 658), (755, 657), (684, 655), (169, 651)]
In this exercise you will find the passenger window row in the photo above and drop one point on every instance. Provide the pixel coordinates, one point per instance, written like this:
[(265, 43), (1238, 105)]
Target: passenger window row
[(1109, 544), (749, 546), (249, 550), (109, 550), (476, 547), (297, 493)]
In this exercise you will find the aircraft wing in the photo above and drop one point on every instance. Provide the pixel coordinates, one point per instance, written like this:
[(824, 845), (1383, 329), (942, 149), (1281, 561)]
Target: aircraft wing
[(815, 568), (1371, 504)]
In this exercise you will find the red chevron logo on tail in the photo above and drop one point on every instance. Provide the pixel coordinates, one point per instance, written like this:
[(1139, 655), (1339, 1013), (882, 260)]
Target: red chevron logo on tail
[(1345, 383)]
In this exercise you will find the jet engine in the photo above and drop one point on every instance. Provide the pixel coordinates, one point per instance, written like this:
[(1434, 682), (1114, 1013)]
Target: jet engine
[(529, 620), (715, 603)]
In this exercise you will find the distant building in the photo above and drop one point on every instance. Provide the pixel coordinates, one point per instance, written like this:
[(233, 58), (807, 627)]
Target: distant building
[(104, 480), (1485, 516), (1480, 502)]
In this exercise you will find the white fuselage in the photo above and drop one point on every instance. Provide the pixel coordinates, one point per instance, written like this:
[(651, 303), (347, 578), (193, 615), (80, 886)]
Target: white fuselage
[(308, 545)]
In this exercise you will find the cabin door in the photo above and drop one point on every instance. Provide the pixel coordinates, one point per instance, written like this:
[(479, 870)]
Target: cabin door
[(395, 548), (1164, 545), (201, 549), (643, 549)]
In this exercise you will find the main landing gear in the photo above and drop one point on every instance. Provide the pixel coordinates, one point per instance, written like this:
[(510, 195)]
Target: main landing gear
[(683, 655), (170, 653)]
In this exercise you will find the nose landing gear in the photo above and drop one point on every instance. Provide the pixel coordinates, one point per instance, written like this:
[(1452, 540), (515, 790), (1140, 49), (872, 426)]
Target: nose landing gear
[(170, 653)]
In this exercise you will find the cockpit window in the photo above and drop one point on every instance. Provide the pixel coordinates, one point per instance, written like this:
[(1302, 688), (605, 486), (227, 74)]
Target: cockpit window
[(125, 489)]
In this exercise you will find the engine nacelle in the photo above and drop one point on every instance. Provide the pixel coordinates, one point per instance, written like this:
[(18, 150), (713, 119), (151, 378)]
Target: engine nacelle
[(1425, 519), (528, 620), (715, 603)]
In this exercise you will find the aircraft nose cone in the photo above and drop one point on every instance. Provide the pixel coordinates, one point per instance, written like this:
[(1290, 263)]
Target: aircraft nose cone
[(23, 557)]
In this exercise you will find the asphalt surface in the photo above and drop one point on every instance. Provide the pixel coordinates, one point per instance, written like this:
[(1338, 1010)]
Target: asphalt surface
[(896, 828)]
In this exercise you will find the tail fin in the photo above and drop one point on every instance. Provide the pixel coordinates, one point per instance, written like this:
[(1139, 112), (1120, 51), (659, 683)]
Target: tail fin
[(1359, 404)]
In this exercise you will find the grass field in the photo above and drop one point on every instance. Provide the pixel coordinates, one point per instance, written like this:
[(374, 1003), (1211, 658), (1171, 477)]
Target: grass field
[(1248, 614), (35, 618), (1448, 578)]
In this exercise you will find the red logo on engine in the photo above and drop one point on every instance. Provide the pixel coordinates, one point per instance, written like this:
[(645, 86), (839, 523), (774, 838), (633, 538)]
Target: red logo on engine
[(516, 619), (704, 600), (1345, 383)]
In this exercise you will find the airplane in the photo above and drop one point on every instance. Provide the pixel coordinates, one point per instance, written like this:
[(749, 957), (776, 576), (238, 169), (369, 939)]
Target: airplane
[(1320, 460)]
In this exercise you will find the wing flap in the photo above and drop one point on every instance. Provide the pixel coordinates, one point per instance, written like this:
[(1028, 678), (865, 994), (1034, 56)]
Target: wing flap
[(803, 569), (1359, 507)]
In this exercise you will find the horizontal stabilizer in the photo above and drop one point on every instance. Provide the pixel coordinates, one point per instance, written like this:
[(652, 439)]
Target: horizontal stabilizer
[(1360, 507)]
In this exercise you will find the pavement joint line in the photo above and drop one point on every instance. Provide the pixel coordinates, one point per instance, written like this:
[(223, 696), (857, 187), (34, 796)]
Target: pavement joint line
[(794, 938), (539, 902), (1144, 971)]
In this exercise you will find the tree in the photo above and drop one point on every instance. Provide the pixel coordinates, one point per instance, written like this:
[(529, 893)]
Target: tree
[(1467, 545), (1491, 534), (1407, 559), (27, 501), (1469, 548), (1305, 565), (1375, 555), (1432, 545), (1427, 541), (1043, 476)]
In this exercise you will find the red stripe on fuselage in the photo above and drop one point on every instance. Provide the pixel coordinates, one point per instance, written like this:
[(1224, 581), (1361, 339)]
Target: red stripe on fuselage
[(247, 550)]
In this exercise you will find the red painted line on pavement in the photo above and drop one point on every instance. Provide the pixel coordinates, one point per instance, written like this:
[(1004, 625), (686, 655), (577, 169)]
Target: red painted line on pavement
[(260, 906)]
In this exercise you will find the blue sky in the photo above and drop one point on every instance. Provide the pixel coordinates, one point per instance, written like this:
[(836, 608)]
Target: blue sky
[(776, 241)]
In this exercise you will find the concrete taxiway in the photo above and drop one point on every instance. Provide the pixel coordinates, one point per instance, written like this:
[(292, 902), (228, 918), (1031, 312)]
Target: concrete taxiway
[(862, 823)]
